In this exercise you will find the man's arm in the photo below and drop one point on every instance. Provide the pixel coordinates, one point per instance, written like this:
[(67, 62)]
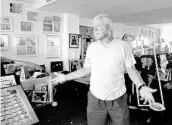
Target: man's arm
[(78, 74), (60, 78), (145, 92), (135, 76)]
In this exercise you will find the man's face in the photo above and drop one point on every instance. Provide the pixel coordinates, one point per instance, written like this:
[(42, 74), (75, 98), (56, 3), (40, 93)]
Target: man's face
[(100, 30)]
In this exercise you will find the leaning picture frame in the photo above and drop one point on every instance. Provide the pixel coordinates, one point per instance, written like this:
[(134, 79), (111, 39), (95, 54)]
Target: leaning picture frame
[(4, 40), (39, 96), (73, 40), (26, 45), (6, 23)]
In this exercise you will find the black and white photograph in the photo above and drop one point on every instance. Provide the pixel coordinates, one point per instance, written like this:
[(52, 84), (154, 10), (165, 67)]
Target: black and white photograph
[(16, 8), (71, 54), (47, 27), (39, 96), (56, 27), (56, 19), (47, 19), (26, 45), (52, 46), (32, 16), (74, 65), (6, 23), (56, 66), (4, 42), (73, 40), (26, 26)]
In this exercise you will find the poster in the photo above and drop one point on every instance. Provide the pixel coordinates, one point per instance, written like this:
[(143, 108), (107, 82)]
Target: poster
[(52, 46), (26, 45)]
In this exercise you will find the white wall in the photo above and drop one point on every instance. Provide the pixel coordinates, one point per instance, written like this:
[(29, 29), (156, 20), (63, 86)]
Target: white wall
[(36, 30), (166, 32)]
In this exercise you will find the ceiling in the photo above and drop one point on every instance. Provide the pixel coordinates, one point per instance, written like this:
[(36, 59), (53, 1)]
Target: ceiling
[(119, 10)]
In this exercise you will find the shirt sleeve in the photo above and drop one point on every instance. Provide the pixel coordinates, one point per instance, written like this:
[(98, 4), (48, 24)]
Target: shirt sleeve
[(87, 62), (129, 57)]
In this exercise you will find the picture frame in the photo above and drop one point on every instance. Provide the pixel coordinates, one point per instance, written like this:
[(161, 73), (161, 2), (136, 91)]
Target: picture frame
[(7, 81), (16, 8), (75, 64), (51, 24), (39, 96), (32, 16), (86, 31), (52, 46), (73, 40), (4, 41), (9, 68), (26, 26), (6, 23), (56, 66), (26, 45), (18, 105)]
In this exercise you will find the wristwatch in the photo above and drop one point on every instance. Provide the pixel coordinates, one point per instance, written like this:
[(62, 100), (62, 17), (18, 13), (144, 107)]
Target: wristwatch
[(141, 86)]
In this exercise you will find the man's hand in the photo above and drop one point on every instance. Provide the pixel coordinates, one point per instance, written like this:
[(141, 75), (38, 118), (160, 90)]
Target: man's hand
[(58, 78), (146, 94)]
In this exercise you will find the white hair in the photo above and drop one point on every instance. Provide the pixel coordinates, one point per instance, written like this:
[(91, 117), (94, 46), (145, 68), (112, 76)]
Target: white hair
[(104, 19)]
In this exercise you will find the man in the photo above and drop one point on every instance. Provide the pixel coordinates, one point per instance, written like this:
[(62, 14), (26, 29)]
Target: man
[(106, 61)]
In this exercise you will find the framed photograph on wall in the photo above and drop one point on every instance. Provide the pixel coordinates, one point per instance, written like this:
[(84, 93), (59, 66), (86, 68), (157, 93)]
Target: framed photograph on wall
[(52, 46), (73, 40), (26, 26), (16, 8), (74, 65), (6, 23), (56, 66), (26, 45), (51, 24), (32, 16), (39, 96), (4, 41)]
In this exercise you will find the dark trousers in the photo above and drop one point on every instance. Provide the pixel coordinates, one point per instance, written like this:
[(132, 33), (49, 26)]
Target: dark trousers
[(98, 111)]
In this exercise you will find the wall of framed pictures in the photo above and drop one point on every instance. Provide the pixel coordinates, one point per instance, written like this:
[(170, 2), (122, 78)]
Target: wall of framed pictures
[(24, 33)]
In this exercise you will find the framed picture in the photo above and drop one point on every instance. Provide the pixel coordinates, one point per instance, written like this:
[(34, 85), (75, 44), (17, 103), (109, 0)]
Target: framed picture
[(6, 23), (9, 68), (51, 24), (40, 87), (25, 26), (56, 27), (86, 31), (26, 45), (73, 40), (15, 107), (74, 65), (56, 66), (4, 42), (32, 16), (39, 96), (56, 19), (52, 46), (16, 8), (7, 81)]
